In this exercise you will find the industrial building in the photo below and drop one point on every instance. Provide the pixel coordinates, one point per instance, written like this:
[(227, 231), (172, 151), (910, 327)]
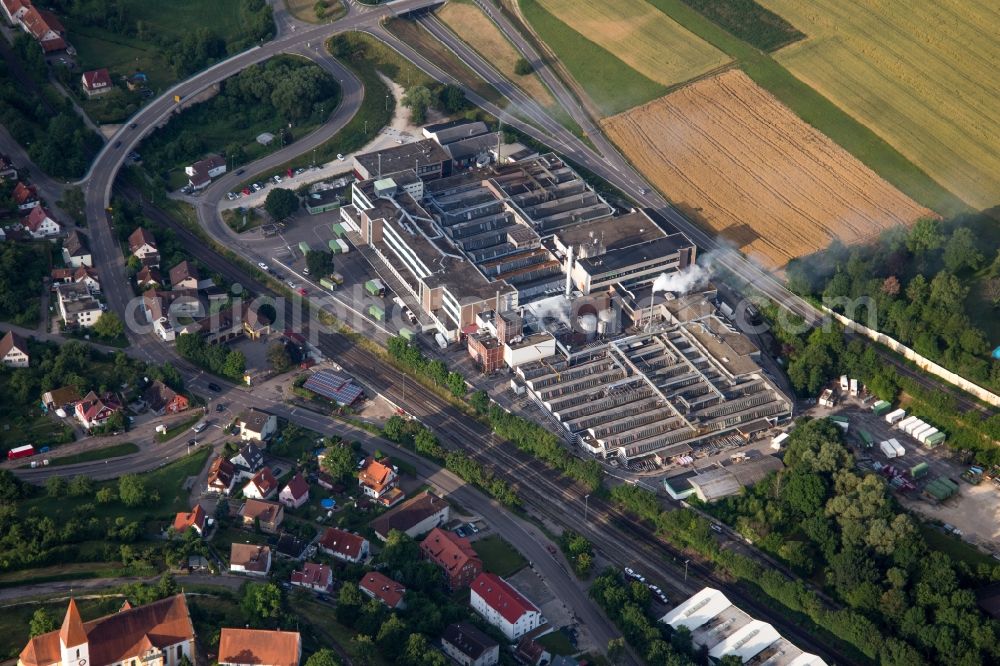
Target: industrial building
[(725, 629), (684, 380)]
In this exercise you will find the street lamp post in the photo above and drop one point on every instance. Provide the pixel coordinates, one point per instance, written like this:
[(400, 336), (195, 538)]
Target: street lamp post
[(586, 507), (686, 562)]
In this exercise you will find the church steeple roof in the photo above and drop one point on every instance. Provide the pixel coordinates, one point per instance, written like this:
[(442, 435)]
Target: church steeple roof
[(72, 632)]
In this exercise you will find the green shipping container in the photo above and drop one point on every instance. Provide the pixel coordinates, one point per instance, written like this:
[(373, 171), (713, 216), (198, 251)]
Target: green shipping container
[(374, 287), (935, 439), (376, 312), (327, 284), (334, 246), (866, 438), (304, 247), (919, 470), (338, 230), (881, 407), (406, 334)]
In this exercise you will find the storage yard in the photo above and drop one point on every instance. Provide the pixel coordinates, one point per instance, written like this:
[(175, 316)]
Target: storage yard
[(731, 155), (922, 75)]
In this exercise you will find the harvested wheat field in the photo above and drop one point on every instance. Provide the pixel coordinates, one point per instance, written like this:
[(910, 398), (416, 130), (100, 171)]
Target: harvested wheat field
[(923, 74), (643, 37), (729, 153), (469, 23)]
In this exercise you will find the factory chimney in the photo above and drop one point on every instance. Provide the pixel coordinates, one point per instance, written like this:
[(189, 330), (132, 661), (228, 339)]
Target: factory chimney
[(569, 271)]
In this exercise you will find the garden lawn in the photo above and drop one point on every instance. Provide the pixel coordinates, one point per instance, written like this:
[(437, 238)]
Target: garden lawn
[(122, 55), (498, 556)]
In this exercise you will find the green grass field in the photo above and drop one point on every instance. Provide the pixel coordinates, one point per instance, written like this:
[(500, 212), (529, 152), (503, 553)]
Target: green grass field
[(122, 55), (116, 451), (167, 481), (820, 112), (930, 91), (184, 16), (498, 556), (610, 83), (557, 642)]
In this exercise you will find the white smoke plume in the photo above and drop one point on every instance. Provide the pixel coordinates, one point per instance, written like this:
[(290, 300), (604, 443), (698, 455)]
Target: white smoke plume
[(682, 282)]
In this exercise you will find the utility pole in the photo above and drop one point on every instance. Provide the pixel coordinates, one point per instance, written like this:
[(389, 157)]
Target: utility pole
[(686, 562)]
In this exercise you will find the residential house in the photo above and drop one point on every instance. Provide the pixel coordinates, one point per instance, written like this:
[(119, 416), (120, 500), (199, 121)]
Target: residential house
[(255, 324), (454, 554), (221, 475), (532, 653), (290, 546), (97, 82), (14, 10), (201, 173), (77, 306), (64, 398), (259, 647), (14, 351), (25, 196), (256, 425), (250, 559), (194, 519), (248, 461), (45, 28), (316, 577), (262, 486), (417, 515), (156, 634), (296, 493), (40, 224), (94, 410), (379, 481), (7, 169), (379, 586), (142, 245), (469, 646), (164, 400), (163, 309), (76, 250), (503, 606), (184, 276), (148, 277), (268, 514), (88, 277), (344, 545), (61, 276)]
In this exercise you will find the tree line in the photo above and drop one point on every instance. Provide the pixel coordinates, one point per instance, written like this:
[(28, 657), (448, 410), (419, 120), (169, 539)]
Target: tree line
[(926, 286)]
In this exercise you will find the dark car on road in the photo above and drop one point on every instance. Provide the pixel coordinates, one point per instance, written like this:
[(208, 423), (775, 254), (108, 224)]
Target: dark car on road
[(239, 172), (118, 144), (214, 387), (220, 407)]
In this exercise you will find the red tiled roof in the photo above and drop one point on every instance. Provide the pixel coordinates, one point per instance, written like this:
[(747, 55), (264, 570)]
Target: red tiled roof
[(24, 193), (221, 471), (196, 518), (259, 646), (266, 511), (98, 78), (93, 405), (14, 5), (139, 238), (340, 541), (382, 588), (449, 551), (501, 597), (117, 637), (10, 341), (36, 217), (375, 475), (298, 487), (312, 574), (265, 482)]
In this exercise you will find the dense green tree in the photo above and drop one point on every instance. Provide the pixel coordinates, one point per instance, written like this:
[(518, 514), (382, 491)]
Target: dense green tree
[(338, 461), (962, 251), (261, 602), (109, 326), (42, 622), (418, 100), (323, 657), (278, 356), (319, 262), (281, 203), (132, 490), (55, 486)]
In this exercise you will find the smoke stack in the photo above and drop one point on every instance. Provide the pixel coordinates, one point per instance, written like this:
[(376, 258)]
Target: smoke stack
[(569, 271)]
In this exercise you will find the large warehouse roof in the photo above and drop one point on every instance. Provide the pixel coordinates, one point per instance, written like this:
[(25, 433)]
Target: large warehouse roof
[(725, 629)]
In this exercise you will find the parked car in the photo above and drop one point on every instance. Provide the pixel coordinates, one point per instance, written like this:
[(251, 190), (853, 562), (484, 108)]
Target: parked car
[(214, 387), (301, 291), (472, 526), (118, 144), (552, 550), (262, 266), (132, 125), (340, 156), (459, 531), (220, 407)]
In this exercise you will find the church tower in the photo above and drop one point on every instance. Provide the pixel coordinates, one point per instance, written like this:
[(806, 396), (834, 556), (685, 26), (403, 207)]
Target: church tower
[(73, 638)]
